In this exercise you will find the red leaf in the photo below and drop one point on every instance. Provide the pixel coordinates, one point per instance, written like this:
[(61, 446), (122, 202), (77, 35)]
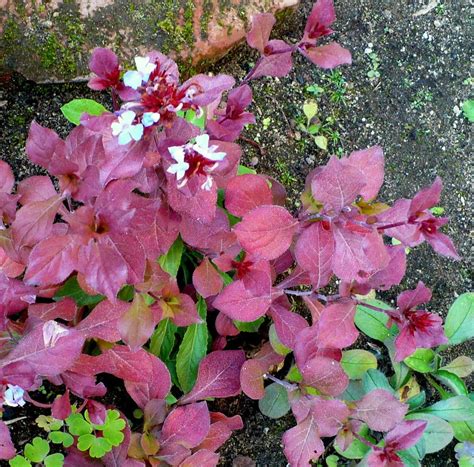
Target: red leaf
[(314, 252), (371, 163), (187, 425), (37, 188), (251, 379), (325, 375), (102, 322), (218, 376), (7, 179), (328, 56), (259, 34), (266, 231), (277, 64), (61, 408), (137, 324), (41, 144), (207, 280), (405, 434), (412, 298), (336, 327), (380, 410), (246, 192), (65, 309), (302, 443), (330, 415), (201, 458)]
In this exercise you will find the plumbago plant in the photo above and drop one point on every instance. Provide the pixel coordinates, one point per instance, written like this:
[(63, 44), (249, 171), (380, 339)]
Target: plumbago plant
[(155, 248)]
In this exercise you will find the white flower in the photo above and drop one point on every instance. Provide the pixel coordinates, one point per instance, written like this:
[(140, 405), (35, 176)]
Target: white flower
[(207, 185), (177, 153), (52, 332), (134, 79), (125, 129), (202, 147), (149, 118), (13, 396)]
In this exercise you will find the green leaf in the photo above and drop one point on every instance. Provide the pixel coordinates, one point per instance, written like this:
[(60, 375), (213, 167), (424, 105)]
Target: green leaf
[(71, 288), (19, 461), (357, 449), (275, 342), (77, 425), (454, 409), (54, 460), (356, 362), (332, 460), (375, 379), (321, 142), (37, 450), (294, 375), (438, 433), (422, 360), (163, 339), (172, 259), (416, 401), (251, 326), (192, 350), (463, 431), (354, 391), (313, 129), (97, 447), (200, 122), (462, 366), (242, 170), (374, 323), (459, 324), (452, 381), (48, 423), (74, 109), (275, 402), (170, 399), (408, 459), (310, 109), (468, 109), (60, 437)]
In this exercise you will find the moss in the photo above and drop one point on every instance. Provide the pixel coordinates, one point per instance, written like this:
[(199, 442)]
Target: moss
[(206, 18), (10, 39), (53, 54)]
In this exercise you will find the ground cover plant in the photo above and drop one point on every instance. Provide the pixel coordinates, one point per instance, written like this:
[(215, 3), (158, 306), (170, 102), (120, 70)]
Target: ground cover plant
[(155, 241)]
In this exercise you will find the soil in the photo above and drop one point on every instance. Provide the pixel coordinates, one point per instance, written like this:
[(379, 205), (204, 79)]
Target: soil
[(412, 110)]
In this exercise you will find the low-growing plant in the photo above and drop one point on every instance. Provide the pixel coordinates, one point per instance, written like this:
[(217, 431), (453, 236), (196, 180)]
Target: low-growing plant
[(155, 249)]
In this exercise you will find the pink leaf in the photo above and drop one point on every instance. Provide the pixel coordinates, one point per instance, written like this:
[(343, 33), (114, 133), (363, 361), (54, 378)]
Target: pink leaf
[(337, 184), (246, 192), (326, 375), (221, 430), (371, 163), (65, 309), (187, 425), (302, 443), (336, 327), (287, 323), (380, 410), (137, 324), (61, 408), (7, 179), (251, 379), (218, 376), (405, 434), (41, 144), (412, 298), (277, 64), (201, 458), (259, 34), (266, 231), (7, 450), (330, 415), (52, 260), (314, 252), (37, 188), (102, 322), (427, 197), (207, 280), (328, 56), (323, 13), (49, 349)]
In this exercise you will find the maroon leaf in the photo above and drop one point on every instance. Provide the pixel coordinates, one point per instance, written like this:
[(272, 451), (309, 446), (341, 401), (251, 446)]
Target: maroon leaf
[(259, 34), (61, 408), (65, 309), (266, 231), (187, 425), (246, 192), (207, 281), (277, 62), (380, 410), (330, 415), (41, 144), (314, 252), (326, 375), (328, 56), (336, 327), (38, 188), (405, 434), (218, 376), (371, 163), (201, 458), (221, 430), (302, 443)]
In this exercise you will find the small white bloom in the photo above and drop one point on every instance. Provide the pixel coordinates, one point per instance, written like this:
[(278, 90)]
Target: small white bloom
[(125, 129), (149, 118), (13, 396), (177, 153), (207, 185), (52, 332), (202, 147), (134, 79)]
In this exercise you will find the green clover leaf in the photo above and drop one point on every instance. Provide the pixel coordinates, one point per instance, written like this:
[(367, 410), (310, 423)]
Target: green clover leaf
[(77, 425), (97, 447), (54, 460), (19, 461), (37, 450), (49, 423), (59, 437)]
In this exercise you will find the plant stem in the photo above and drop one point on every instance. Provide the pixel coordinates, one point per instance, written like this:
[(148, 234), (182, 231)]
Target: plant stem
[(299, 293), (288, 386), (373, 307), (363, 440), (390, 226)]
